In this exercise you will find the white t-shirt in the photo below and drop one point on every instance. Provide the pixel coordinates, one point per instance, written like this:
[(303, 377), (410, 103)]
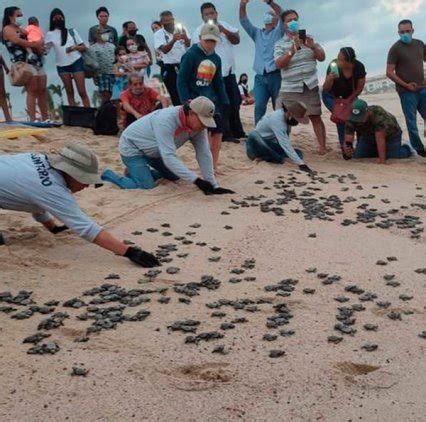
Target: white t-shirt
[(224, 49), (53, 39), (174, 56)]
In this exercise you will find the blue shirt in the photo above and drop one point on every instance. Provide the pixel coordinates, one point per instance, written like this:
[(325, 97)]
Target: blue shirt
[(264, 45)]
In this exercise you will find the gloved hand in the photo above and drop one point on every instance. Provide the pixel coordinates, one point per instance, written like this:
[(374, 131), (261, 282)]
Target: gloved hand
[(205, 186), (59, 229), (306, 169), (222, 191), (142, 258)]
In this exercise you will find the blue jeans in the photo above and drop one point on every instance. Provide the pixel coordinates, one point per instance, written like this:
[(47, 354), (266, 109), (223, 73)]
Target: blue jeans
[(266, 149), (328, 99), (265, 87), (367, 148), (142, 173), (413, 102)]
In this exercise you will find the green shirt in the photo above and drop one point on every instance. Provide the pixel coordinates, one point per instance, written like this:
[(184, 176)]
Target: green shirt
[(380, 120)]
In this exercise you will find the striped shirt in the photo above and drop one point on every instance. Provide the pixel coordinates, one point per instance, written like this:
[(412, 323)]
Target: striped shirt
[(302, 69)]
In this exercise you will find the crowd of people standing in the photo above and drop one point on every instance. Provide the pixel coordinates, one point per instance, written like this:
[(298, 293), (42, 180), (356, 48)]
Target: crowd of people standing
[(199, 72)]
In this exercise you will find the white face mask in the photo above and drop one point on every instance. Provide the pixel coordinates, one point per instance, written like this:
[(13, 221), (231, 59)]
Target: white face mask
[(133, 48)]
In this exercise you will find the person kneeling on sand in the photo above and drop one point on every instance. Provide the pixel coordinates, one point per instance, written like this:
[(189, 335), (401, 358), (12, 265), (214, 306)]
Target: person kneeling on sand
[(43, 185), (379, 134), (270, 141), (148, 148)]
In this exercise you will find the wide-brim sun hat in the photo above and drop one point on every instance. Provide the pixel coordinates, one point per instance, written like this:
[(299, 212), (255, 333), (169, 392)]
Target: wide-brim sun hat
[(79, 162), (299, 111)]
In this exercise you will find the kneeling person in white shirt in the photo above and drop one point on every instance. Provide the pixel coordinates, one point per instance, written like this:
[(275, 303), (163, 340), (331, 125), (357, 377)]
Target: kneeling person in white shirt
[(270, 141)]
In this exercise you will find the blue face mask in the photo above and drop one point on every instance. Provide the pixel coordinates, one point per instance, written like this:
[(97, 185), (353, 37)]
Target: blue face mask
[(293, 26), (406, 38), (268, 19), (20, 21)]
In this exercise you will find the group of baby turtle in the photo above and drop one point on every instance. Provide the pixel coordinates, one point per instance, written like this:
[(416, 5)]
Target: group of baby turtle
[(108, 306)]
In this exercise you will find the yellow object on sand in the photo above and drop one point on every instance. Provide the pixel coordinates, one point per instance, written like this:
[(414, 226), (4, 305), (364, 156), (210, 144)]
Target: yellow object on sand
[(18, 132)]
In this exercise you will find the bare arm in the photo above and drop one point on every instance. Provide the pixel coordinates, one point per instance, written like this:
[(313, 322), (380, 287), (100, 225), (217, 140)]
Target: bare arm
[(329, 82), (129, 109), (167, 47), (381, 146), (108, 241), (163, 100), (391, 74), (11, 35), (148, 50), (283, 61), (233, 37), (243, 9), (358, 90), (276, 8)]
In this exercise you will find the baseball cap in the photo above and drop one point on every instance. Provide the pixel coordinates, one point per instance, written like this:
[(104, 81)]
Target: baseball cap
[(79, 162), (359, 110), (204, 109), (210, 31), (299, 111)]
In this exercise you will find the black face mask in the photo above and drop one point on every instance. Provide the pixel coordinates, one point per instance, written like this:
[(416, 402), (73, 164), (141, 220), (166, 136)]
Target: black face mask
[(59, 23), (292, 122), (244, 81), (133, 32)]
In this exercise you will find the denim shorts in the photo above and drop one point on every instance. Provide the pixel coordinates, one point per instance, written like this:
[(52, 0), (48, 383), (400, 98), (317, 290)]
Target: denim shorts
[(76, 67)]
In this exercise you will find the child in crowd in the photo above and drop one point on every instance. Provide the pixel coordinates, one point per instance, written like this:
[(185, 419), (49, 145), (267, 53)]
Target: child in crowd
[(122, 69), (138, 58), (34, 33)]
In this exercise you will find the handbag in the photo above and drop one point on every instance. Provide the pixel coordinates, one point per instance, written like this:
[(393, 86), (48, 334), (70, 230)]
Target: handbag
[(342, 108), (91, 64), (20, 74)]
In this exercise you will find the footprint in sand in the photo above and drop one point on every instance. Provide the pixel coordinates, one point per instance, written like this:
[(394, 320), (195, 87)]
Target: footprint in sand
[(199, 377), (350, 368)]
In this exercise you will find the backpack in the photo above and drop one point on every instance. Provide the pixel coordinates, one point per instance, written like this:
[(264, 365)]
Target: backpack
[(106, 120), (91, 64)]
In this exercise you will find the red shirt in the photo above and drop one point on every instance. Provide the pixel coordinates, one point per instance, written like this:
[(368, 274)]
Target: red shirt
[(143, 104)]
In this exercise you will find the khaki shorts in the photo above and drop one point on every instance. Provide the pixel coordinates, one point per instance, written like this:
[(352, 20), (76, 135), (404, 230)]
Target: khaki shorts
[(310, 97), (37, 71)]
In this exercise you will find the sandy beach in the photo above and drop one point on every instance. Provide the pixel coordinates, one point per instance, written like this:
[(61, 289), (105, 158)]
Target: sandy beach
[(272, 263)]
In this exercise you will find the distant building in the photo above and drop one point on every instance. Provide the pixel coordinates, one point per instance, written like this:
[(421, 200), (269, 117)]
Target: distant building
[(378, 84)]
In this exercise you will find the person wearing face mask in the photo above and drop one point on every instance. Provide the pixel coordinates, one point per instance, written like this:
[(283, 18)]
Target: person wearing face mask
[(149, 147), (122, 70), (130, 32), (17, 44), (138, 100), (44, 185), (111, 33), (267, 82), (68, 55), (200, 74), (297, 54), (139, 59), (405, 68), (246, 97), (172, 41), (344, 83), (104, 51), (270, 141)]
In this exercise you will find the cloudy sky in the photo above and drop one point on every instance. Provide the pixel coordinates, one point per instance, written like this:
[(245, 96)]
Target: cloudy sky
[(367, 25)]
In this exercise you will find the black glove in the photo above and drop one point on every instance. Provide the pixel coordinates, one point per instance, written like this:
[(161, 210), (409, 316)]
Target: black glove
[(222, 191), (205, 186), (306, 169), (140, 257), (59, 229)]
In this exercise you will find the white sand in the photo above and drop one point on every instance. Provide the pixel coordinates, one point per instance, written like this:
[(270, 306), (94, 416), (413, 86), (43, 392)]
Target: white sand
[(141, 373)]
